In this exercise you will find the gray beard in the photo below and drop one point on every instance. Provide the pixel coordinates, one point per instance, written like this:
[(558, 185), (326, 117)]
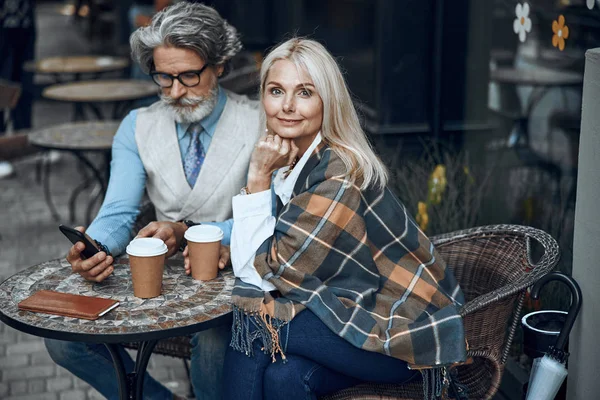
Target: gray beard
[(201, 107)]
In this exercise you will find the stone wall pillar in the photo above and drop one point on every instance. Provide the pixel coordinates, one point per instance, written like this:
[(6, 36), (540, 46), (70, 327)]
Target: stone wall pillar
[(584, 344)]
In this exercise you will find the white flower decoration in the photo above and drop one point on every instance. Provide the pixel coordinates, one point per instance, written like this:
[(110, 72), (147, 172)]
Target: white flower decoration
[(590, 3), (522, 24)]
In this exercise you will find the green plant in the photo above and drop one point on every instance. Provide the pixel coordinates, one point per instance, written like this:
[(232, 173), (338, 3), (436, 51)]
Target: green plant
[(441, 189)]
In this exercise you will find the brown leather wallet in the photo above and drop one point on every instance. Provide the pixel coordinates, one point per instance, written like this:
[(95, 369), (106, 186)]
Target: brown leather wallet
[(67, 304)]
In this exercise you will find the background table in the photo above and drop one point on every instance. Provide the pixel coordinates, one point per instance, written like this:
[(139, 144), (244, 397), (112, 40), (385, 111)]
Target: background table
[(184, 307), (570, 59), (536, 77), (121, 93), (78, 138), (77, 65)]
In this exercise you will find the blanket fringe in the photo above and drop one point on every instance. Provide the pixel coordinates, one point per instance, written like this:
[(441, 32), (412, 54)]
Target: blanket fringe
[(267, 329), (433, 385)]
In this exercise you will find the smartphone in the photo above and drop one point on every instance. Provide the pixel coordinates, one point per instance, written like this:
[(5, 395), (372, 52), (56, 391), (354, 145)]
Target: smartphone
[(75, 236)]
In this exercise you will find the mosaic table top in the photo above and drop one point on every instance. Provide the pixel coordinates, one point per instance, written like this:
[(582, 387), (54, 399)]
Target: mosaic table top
[(184, 302), (89, 135), (77, 64), (101, 90)]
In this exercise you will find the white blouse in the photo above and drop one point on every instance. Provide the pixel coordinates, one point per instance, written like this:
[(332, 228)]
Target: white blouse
[(253, 220)]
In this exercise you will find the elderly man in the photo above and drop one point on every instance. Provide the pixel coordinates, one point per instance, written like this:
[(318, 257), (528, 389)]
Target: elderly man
[(190, 152)]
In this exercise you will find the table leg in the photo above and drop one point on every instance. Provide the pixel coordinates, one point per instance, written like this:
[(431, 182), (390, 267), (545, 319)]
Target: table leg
[(73, 199), (92, 167), (97, 194), (519, 141), (131, 385), (46, 185), (536, 96), (124, 388), (519, 137), (97, 175), (78, 113), (100, 195), (141, 363), (96, 110), (107, 160), (59, 78), (119, 109)]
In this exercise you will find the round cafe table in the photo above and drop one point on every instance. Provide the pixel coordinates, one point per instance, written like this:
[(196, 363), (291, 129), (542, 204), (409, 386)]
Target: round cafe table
[(569, 59), (77, 65), (185, 306), (79, 138), (537, 77), (121, 93)]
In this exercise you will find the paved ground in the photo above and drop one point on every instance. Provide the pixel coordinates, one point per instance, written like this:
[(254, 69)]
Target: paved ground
[(30, 235)]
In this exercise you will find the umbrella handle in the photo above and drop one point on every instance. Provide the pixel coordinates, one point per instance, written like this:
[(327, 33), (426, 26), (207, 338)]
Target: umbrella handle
[(573, 309)]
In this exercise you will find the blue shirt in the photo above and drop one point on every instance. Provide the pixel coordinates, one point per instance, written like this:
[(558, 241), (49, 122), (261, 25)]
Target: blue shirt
[(112, 226)]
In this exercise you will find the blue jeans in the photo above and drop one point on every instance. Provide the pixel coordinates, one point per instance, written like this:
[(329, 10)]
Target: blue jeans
[(93, 364), (17, 45), (319, 362)]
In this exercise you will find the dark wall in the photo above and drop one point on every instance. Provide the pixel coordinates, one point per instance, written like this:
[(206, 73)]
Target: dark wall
[(413, 65)]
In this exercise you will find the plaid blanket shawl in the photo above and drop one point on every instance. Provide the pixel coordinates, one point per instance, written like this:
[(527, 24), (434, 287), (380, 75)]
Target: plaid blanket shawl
[(360, 263)]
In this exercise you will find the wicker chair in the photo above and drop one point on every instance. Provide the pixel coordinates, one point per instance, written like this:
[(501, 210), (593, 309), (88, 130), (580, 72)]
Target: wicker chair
[(494, 265)]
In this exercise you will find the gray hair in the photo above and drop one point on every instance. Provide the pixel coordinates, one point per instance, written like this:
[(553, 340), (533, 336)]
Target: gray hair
[(188, 26)]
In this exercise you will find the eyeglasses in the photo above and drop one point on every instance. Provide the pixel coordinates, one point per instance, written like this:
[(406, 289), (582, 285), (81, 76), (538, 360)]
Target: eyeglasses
[(186, 78)]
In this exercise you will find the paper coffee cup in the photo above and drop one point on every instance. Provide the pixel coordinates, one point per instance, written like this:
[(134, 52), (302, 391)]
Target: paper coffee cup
[(147, 263), (204, 243)]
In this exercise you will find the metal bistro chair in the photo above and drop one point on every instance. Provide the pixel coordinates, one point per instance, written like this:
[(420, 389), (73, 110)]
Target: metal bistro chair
[(13, 144), (494, 266), (9, 96)]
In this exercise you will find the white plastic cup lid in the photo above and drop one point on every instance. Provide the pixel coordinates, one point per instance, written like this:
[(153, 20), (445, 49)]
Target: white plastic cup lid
[(203, 234), (146, 247)]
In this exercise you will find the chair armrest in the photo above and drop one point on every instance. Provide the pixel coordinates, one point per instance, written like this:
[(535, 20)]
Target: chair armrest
[(533, 271)]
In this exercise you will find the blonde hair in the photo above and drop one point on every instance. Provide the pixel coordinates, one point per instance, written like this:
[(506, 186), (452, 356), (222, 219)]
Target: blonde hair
[(341, 128)]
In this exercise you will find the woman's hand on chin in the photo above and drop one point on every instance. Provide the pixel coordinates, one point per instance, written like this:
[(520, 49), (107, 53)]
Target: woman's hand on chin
[(271, 152)]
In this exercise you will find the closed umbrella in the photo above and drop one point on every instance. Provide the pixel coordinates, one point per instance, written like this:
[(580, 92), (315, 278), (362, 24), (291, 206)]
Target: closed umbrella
[(549, 371)]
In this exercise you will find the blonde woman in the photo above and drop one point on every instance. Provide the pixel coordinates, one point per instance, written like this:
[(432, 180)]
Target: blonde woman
[(337, 285)]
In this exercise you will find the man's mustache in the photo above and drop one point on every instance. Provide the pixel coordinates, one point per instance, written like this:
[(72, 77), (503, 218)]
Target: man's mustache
[(183, 102)]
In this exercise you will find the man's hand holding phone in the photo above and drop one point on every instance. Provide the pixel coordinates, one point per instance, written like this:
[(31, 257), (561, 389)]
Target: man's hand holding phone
[(95, 268)]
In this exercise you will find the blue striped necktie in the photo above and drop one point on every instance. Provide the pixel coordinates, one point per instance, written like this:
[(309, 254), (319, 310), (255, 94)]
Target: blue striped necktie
[(195, 155)]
